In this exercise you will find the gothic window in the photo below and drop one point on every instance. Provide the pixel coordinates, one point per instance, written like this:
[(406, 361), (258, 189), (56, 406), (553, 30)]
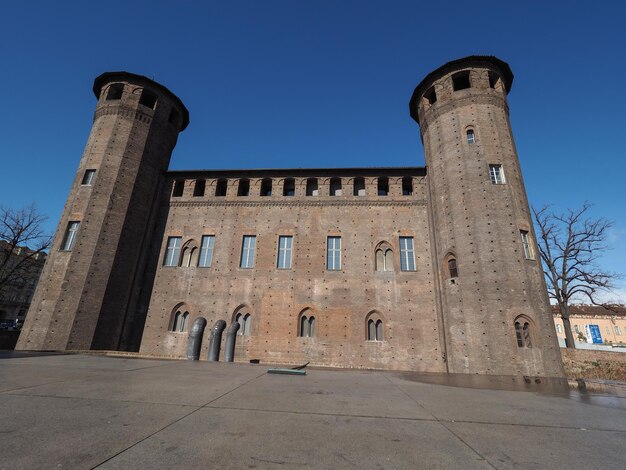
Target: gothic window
[(172, 252), (384, 257), (179, 325), (523, 333), (307, 325), (374, 330), (189, 254), (245, 323), (70, 235)]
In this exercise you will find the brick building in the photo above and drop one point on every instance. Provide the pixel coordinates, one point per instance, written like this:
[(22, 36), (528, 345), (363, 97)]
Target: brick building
[(421, 268)]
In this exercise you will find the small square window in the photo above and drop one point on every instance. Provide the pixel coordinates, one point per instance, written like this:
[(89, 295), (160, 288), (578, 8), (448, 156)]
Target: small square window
[(88, 177)]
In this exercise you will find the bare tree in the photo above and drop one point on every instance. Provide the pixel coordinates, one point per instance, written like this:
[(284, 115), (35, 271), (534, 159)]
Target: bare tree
[(570, 245), (22, 242)]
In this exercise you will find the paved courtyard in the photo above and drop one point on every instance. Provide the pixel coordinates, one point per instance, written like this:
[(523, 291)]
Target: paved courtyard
[(84, 411)]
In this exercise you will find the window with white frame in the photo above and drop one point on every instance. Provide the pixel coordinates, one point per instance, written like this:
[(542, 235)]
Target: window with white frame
[(333, 253), (471, 137), (172, 252), (70, 235), (285, 244), (206, 251), (496, 173), (247, 251), (528, 250), (407, 254), (88, 177)]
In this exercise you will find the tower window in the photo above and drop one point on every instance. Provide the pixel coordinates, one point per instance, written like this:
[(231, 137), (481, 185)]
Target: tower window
[(88, 177), (266, 187), (526, 245), (247, 252), (148, 99), (335, 186), (461, 81), (198, 189), (523, 334), (70, 236), (407, 186), (179, 187), (285, 244), (359, 186), (220, 187), (430, 97), (206, 251), (453, 270), (333, 253), (307, 326), (494, 81), (244, 187), (289, 187), (172, 252), (496, 174), (115, 91), (383, 186), (407, 254), (311, 187), (471, 137)]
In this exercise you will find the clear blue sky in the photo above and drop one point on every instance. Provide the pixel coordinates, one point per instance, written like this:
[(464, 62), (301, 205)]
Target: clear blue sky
[(317, 84)]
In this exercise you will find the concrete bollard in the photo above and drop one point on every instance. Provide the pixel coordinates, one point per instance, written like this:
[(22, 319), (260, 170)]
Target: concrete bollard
[(195, 339), (231, 340), (215, 342)]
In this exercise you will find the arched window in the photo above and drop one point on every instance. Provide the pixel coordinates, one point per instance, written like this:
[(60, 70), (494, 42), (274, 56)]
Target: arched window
[(183, 321), (189, 254), (335, 186), (384, 257), (471, 137), (523, 333), (359, 186), (179, 319), (451, 267), (306, 325), (245, 323), (374, 327)]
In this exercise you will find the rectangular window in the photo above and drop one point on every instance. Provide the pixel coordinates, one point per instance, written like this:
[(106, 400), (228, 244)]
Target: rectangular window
[(206, 251), (172, 252), (496, 173), (247, 251), (618, 332), (333, 253), (559, 328), (407, 254), (88, 177), (70, 236), (285, 244), (528, 251)]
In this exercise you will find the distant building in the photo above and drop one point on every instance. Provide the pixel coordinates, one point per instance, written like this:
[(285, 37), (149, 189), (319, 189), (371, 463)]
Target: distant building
[(611, 324), (15, 297), (409, 268)]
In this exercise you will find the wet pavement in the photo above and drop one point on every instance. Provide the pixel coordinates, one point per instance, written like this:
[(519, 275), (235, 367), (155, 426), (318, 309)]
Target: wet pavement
[(85, 411)]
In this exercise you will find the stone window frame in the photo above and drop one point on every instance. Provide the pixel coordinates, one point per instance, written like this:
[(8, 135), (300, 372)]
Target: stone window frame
[(306, 323), (375, 327), (524, 328)]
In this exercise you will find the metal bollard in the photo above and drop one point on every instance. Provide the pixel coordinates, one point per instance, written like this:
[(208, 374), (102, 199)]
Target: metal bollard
[(231, 340), (195, 339), (215, 342)]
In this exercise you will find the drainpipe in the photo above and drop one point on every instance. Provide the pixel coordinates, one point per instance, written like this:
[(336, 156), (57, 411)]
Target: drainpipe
[(195, 339), (215, 342), (231, 339)]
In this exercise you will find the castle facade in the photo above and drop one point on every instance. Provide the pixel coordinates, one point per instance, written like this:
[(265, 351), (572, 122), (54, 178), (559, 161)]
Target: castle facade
[(430, 269)]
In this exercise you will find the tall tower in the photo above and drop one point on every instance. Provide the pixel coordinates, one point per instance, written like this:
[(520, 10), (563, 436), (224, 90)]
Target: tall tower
[(84, 299), (493, 307)]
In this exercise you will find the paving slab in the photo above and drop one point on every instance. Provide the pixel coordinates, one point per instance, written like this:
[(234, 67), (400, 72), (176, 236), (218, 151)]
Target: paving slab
[(235, 439)]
